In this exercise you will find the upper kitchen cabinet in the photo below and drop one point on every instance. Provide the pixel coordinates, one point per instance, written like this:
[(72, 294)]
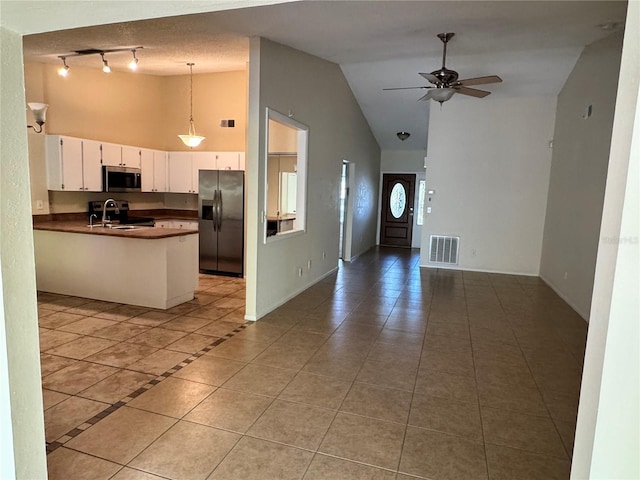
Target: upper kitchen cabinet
[(73, 164), (154, 170), (120, 155), (183, 168), (131, 156), (180, 177), (229, 161), (111, 154)]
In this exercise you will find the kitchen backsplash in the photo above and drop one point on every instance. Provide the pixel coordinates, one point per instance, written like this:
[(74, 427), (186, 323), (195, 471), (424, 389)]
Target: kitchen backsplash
[(76, 202)]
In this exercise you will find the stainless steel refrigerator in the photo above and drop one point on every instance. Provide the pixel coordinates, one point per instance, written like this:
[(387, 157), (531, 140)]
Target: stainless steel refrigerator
[(221, 221)]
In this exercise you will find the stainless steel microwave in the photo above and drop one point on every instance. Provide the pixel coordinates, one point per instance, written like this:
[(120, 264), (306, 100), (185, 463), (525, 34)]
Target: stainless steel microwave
[(121, 179)]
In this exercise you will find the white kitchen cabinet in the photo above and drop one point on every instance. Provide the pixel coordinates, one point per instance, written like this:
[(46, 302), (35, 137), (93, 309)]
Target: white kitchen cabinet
[(183, 168), (73, 164), (227, 160), (130, 156), (201, 161), (180, 224), (180, 176), (186, 224), (111, 154), (153, 164)]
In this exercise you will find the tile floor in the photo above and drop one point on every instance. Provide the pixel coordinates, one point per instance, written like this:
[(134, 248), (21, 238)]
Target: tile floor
[(380, 371)]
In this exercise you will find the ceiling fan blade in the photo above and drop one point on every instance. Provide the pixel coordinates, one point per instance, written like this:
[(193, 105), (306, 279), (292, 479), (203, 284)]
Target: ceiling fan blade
[(473, 92), (479, 80), (425, 97), (404, 88), (431, 77)]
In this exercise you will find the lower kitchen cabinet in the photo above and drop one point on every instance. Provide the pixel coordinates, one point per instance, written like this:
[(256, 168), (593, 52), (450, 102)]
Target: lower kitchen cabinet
[(181, 224)]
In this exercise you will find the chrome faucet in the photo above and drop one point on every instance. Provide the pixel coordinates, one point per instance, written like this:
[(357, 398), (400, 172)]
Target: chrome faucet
[(91, 217), (104, 210)]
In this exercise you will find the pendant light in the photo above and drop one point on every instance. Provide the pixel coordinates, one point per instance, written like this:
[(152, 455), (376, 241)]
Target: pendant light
[(191, 140)]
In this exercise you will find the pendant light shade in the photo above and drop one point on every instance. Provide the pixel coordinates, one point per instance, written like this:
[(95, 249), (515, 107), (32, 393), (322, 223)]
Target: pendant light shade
[(192, 139)]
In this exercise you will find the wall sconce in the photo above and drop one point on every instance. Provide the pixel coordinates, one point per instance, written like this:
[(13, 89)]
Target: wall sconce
[(39, 113), (403, 135)]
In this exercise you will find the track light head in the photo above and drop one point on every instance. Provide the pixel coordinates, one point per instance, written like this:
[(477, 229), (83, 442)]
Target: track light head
[(133, 64), (105, 65), (63, 71)]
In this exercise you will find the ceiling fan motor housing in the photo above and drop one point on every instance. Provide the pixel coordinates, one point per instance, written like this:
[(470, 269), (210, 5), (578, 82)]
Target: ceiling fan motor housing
[(445, 76)]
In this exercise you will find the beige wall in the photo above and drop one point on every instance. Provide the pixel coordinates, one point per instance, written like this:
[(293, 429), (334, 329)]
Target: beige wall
[(216, 96), (579, 172), (141, 110)]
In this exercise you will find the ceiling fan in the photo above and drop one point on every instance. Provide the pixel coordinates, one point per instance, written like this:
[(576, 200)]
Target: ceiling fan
[(445, 82)]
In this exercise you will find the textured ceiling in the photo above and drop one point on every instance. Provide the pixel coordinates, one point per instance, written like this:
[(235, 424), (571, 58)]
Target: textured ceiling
[(532, 45)]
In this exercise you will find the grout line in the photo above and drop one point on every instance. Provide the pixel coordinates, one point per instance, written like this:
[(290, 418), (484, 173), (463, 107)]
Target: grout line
[(52, 446)]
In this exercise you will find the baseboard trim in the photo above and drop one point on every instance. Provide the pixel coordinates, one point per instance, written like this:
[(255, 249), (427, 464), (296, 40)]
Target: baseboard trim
[(297, 292), (482, 270), (568, 301)]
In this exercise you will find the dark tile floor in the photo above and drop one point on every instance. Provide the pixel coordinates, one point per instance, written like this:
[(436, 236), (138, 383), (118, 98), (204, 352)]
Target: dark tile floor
[(381, 371)]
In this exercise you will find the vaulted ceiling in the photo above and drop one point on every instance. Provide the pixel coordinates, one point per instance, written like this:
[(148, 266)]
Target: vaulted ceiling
[(532, 45)]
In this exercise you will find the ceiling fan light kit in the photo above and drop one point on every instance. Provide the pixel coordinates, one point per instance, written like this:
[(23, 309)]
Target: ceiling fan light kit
[(445, 81)]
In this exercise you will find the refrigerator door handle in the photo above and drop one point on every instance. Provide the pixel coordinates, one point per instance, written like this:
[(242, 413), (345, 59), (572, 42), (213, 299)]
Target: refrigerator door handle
[(215, 210), (219, 210)]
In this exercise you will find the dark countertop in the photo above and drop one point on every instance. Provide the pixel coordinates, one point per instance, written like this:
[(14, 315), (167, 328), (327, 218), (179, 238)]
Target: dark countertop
[(148, 233)]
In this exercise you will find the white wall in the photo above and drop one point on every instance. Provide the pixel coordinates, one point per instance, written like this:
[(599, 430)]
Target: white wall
[(579, 172), (317, 94), (24, 436), (488, 161), (404, 161), (607, 433)]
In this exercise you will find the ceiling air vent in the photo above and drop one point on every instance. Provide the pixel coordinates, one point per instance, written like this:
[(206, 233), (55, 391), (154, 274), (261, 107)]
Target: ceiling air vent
[(443, 249)]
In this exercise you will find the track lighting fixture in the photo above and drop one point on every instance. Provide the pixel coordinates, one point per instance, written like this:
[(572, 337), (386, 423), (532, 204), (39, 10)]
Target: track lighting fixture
[(105, 65), (191, 140), (63, 71), (133, 64), (39, 111)]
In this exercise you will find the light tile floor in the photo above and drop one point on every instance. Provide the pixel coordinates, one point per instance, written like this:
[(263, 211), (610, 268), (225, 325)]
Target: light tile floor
[(380, 371)]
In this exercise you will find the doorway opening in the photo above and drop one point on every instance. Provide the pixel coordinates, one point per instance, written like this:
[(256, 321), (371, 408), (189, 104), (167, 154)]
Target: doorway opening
[(344, 205)]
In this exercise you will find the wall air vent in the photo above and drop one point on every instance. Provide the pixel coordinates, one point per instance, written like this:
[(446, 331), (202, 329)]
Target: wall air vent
[(443, 249)]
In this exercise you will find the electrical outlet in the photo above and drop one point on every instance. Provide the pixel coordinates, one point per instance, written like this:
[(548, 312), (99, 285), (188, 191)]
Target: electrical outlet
[(324, 255), (300, 271), (565, 275), (308, 264), (473, 252), (39, 205)]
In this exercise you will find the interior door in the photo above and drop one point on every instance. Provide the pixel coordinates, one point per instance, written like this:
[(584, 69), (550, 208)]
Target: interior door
[(396, 223)]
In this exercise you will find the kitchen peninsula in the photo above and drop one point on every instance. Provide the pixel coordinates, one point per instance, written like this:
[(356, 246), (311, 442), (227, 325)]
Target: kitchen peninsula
[(146, 266)]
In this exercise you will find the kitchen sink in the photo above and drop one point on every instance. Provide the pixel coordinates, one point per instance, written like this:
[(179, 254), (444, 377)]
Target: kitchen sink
[(124, 227)]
